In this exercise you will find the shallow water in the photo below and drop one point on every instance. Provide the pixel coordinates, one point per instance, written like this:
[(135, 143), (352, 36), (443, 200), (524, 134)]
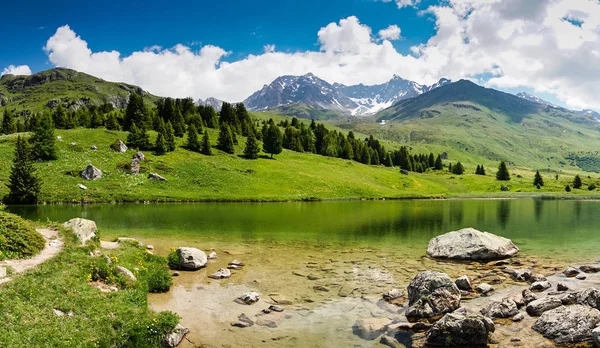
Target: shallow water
[(355, 250)]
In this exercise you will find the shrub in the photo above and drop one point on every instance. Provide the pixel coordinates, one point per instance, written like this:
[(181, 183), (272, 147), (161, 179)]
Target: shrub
[(146, 332), (568, 188), (591, 187), (18, 237)]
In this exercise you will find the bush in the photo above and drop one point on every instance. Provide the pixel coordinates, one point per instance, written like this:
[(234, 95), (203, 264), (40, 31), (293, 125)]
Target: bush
[(173, 259), (568, 188), (18, 238), (591, 187), (159, 280), (145, 332)]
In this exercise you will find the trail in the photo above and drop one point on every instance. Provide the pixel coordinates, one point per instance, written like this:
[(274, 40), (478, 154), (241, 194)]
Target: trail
[(54, 245)]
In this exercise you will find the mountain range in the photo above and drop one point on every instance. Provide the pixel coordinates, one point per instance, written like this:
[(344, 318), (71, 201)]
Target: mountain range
[(285, 92)]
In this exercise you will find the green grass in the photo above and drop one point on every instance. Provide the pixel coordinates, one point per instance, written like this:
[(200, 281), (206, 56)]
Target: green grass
[(116, 319), (18, 238)]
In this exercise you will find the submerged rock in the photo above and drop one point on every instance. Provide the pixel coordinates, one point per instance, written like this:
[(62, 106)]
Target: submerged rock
[(571, 272), (432, 294), (91, 173), (191, 258), (568, 324), (590, 268), (370, 328), (484, 288), (538, 307), (459, 330), (540, 286), (471, 244), (84, 229), (221, 274)]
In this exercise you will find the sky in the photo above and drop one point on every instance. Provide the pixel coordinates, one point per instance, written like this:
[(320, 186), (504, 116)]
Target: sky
[(229, 49)]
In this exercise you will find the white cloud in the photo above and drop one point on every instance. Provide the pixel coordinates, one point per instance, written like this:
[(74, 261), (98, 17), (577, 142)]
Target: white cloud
[(521, 43), (16, 70), (405, 3), (390, 33)]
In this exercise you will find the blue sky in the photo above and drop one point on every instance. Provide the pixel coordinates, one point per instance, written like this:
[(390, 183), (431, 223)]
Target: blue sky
[(230, 48)]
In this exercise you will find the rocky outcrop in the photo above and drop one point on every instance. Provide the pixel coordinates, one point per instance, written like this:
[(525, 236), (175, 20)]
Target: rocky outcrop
[(431, 294), (119, 146), (139, 155), (470, 244), (539, 307), (458, 330), (174, 338), (91, 173), (501, 309), (84, 229), (191, 259), (568, 324)]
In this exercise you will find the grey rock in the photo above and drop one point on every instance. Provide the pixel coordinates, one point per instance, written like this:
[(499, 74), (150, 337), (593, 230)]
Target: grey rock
[(393, 294), (91, 173), (568, 324), (175, 274), (471, 244), (521, 274), (191, 258), (528, 296), (501, 309), (93, 147), (266, 323), (464, 283), (537, 278), (154, 176), (459, 330), (540, 286), (245, 319), (390, 341), (517, 298), (518, 317), (568, 299), (276, 308), (212, 255), (249, 298), (118, 146), (596, 336), (581, 276), (84, 229), (571, 272), (588, 297), (236, 263), (562, 287), (135, 166), (221, 274), (370, 328), (484, 288), (58, 312), (431, 294), (174, 338), (590, 268), (83, 187), (126, 273), (150, 247), (139, 156), (538, 307)]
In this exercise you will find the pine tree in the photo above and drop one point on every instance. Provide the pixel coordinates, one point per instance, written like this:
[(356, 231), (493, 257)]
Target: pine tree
[(44, 147), (169, 135), (439, 165), (273, 141), (482, 170), (431, 161), (178, 125), (160, 146), (251, 151), (59, 117), (96, 119), (478, 170), (138, 138), (192, 139), (538, 180), (112, 123), (24, 185), (568, 188), (458, 169), (450, 167), (225, 140), (8, 123), (502, 174), (205, 148), (577, 182), (136, 112)]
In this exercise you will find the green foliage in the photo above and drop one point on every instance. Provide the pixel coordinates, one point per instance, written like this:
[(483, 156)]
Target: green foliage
[(18, 238), (273, 141), (138, 138), (225, 141), (192, 139), (568, 188), (592, 187), (160, 147), (502, 174), (8, 123), (252, 149), (205, 148), (170, 136), (458, 169), (24, 184), (577, 182), (136, 113), (538, 180), (112, 123), (44, 147), (159, 280), (173, 259)]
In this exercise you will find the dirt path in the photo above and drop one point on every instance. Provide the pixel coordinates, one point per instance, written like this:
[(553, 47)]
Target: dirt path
[(53, 246)]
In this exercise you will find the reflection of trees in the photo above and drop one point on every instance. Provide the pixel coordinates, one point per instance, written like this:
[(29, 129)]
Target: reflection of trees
[(456, 213), (480, 214), (503, 213), (537, 208), (577, 209)]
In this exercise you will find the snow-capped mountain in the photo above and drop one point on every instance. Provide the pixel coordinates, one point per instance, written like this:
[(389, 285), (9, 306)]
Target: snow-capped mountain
[(534, 98), (358, 100), (214, 102)]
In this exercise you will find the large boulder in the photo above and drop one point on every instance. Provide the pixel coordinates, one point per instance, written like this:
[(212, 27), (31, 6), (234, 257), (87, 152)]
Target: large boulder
[(431, 295), (568, 324), (588, 297), (470, 244), (539, 307), (119, 146), (459, 330), (84, 229), (191, 259), (501, 309), (91, 173)]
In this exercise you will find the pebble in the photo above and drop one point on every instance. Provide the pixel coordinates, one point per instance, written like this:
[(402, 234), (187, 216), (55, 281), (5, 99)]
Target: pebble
[(581, 277)]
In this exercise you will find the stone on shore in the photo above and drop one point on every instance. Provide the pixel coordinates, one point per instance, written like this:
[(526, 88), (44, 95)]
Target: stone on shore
[(459, 330), (471, 244), (191, 259), (91, 173), (539, 307), (249, 298), (221, 274), (431, 294), (84, 229), (174, 338), (568, 324), (590, 268), (588, 297), (484, 288)]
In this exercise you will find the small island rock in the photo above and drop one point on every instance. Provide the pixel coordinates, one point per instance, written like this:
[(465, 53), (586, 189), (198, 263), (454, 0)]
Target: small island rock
[(471, 244), (191, 258)]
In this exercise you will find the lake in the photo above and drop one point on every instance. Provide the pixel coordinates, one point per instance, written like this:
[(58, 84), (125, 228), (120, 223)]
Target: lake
[(330, 260)]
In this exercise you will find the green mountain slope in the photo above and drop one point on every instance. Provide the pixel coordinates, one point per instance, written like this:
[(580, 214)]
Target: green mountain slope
[(480, 124), (71, 88)]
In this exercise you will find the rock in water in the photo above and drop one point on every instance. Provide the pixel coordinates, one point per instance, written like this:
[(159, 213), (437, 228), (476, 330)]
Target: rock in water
[(470, 244), (221, 274), (370, 328), (590, 268), (571, 272), (135, 166), (539, 307), (458, 330), (393, 294), (174, 338), (540, 286), (84, 229), (463, 283), (431, 294), (126, 273), (191, 258), (505, 309), (91, 173), (212, 255), (484, 288), (568, 324), (154, 176), (119, 146), (588, 297)]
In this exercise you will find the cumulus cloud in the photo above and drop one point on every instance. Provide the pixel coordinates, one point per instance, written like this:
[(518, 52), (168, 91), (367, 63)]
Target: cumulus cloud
[(405, 3), (16, 70), (551, 46), (390, 33)]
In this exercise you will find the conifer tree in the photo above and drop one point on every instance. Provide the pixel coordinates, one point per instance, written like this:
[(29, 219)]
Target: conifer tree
[(431, 161), (251, 151), (205, 148), (24, 185), (160, 146), (169, 135), (136, 113), (439, 165), (538, 180), (96, 119), (458, 169), (112, 123), (138, 138), (8, 123), (502, 174), (568, 188), (450, 167), (577, 182), (225, 140), (44, 147), (192, 139), (478, 170), (178, 125), (273, 141), (60, 117), (482, 170)]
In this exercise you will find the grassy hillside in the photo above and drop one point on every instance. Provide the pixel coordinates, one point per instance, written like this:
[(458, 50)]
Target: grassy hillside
[(69, 87)]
